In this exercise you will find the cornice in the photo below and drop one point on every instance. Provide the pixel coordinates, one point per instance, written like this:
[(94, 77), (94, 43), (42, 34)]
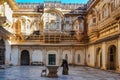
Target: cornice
[(108, 38)]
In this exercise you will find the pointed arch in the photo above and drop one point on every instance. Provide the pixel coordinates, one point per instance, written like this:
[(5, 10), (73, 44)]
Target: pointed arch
[(111, 60), (56, 11)]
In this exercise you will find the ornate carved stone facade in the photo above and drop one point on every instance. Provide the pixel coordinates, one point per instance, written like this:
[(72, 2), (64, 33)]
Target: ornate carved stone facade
[(84, 34)]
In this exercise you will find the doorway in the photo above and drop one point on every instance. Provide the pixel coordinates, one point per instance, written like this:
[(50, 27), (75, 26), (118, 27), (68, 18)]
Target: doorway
[(25, 58), (2, 52), (98, 61), (112, 57)]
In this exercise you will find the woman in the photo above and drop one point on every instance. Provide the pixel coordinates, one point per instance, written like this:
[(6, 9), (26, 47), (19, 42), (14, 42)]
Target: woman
[(65, 67)]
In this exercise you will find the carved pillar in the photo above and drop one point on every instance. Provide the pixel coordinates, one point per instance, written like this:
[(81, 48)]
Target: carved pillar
[(60, 56), (118, 54), (73, 55), (19, 56), (44, 56), (85, 61), (31, 53), (104, 56), (119, 25)]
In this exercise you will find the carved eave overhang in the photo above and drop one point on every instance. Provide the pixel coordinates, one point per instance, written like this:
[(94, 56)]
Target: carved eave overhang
[(76, 14), (11, 3), (29, 14), (117, 16), (46, 45), (72, 15), (108, 38), (92, 4), (4, 33)]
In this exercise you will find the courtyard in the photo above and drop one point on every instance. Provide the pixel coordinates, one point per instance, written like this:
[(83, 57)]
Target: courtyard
[(75, 73)]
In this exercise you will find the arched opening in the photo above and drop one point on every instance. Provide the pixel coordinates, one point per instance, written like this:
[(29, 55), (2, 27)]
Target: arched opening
[(66, 57), (78, 58), (25, 58), (98, 63), (2, 52), (111, 58)]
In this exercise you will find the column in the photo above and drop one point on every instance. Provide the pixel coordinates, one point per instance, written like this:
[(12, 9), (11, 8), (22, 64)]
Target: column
[(19, 56), (118, 54), (31, 53), (104, 56), (7, 52), (44, 56), (73, 55), (60, 53)]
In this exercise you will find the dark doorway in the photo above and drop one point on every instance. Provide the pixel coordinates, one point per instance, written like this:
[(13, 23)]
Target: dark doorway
[(2, 52), (112, 58), (25, 58), (98, 61), (66, 57), (52, 59)]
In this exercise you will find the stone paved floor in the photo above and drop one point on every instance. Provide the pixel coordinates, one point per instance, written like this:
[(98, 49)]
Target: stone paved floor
[(75, 73)]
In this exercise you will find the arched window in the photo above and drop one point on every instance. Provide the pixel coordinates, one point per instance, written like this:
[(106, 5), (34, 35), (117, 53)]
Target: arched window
[(51, 25), (66, 57), (104, 11), (57, 25), (112, 5), (67, 26), (46, 25), (81, 26), (78, 58)]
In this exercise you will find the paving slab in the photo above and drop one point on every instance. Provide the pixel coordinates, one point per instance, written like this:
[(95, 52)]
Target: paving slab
[(75, 73)]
